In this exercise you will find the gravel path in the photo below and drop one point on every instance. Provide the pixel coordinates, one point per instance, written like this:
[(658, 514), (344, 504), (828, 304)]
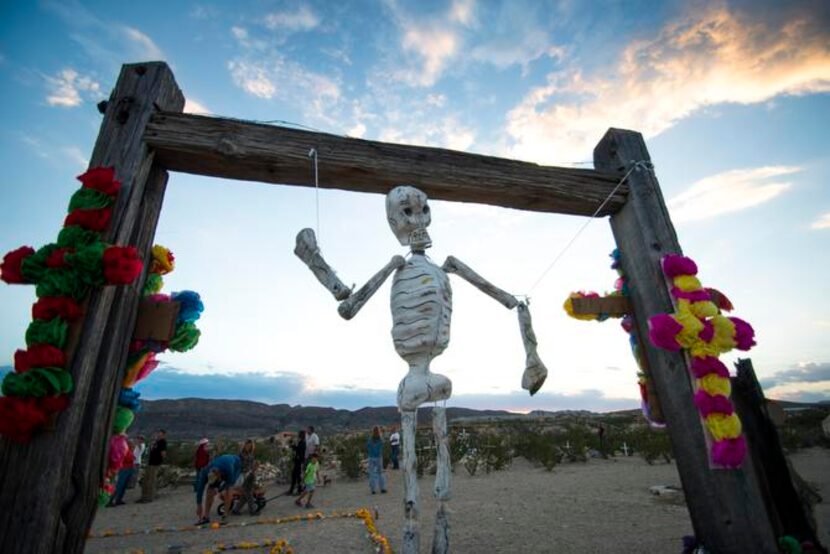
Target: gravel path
[(599, 506)]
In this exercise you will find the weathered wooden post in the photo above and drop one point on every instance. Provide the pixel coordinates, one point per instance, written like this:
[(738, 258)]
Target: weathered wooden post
[(49, 487), (726, 507), (790, 514)]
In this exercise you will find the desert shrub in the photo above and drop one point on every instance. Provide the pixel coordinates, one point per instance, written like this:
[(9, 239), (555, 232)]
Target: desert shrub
[(802, 429), (575, 441), (497, 452), (537, 446), (424, 453), (651, 444), (351, 451), (459, 446)]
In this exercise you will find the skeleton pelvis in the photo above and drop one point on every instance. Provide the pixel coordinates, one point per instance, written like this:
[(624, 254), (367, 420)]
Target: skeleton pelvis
[(417, 388)]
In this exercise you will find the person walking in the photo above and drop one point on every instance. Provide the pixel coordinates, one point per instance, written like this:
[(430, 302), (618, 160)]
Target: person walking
[(310, 481), (374, 449), (298, 458), (124, 475), (158, 454), (395, 445)]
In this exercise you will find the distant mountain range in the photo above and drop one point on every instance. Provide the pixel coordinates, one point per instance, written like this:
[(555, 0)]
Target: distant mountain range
[(193, 418)]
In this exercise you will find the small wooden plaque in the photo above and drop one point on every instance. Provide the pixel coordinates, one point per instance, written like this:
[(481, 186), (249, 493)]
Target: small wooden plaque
[(614, 306), (156, 320)]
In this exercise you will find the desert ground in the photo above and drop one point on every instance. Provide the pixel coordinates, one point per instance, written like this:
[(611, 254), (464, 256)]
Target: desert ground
[(598, 506)]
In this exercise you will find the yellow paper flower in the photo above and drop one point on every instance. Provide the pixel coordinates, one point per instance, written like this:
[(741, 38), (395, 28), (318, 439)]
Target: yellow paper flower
[(704, 309), (162, 263), (724, 338), (723, 426), (715, 384), (687, 283)]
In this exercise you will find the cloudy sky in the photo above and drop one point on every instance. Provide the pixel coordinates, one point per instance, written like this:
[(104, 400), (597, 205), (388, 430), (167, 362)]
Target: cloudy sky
[(732, 98)]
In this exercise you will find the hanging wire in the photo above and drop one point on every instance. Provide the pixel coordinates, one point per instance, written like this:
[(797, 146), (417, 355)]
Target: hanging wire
[(635, 166), (313, 155)]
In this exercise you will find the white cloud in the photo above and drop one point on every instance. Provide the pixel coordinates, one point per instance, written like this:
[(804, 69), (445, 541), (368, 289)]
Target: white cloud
[(252, 78), (144, 45), (712, 57), (303, 19), (730, 191), (434, 47), (314, 93), (76, 156), (463, 12), (436, 100), (357, 131), (194, 106), (68, 88), (446, 132), (823, 222)]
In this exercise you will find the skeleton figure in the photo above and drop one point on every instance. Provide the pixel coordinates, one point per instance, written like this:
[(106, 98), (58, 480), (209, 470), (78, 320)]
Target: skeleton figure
[(421, 310)]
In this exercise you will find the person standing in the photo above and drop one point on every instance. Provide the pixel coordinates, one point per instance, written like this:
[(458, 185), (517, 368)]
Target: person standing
[(138, 453), (312, 442), (395, 444), (202, 456), (297, 459), (124, 474), (374, 449), (158, 454)]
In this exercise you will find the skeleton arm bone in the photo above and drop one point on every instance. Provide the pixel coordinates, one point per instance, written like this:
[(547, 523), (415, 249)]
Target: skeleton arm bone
[(308, 251), (535, 371), (349, 307), (454, 265)]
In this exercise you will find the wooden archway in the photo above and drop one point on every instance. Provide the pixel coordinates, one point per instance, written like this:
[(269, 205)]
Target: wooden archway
[(49, 487)]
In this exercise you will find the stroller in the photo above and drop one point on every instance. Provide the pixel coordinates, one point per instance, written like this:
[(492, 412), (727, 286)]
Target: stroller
[(238, 499)]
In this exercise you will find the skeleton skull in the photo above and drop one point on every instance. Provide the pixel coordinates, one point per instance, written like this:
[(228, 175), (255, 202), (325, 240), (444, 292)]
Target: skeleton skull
[(409, 215)]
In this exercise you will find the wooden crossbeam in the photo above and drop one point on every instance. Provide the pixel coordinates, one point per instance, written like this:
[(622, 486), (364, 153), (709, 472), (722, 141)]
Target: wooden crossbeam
[(249, 151), (614, 306)]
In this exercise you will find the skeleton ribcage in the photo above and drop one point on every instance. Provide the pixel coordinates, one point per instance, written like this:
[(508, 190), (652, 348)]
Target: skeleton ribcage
[(421, 308)]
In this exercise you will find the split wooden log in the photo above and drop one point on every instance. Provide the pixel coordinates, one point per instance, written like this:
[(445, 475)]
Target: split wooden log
[(411, 526)]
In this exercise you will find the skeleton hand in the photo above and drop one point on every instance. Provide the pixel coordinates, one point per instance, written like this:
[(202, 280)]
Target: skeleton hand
[(535, 373), (308, 251)]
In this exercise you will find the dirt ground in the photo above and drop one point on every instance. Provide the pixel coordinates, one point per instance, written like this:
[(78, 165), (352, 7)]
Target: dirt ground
[(599, 506)]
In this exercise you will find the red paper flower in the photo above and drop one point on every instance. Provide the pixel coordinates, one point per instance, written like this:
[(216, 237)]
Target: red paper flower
[(39, 355), (50, 307), (93, 220), (10, 269), (20, 417), (121, 265), (57, 258), (101, 179)]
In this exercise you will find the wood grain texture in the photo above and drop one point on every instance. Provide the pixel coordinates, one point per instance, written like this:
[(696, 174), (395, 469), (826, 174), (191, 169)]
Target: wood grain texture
[(49, 486), (614, 306), (725, 506), (258, 152)]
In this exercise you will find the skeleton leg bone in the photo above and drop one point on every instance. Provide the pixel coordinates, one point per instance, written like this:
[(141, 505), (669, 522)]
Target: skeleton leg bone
[(411, 529), (443, 476)]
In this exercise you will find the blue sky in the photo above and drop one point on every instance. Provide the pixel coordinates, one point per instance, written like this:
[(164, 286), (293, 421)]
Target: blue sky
[(732, 97)]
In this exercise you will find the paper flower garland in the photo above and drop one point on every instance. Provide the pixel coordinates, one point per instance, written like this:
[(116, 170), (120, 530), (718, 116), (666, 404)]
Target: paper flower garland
[(141, 360), (64, 273), (698, 327)]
